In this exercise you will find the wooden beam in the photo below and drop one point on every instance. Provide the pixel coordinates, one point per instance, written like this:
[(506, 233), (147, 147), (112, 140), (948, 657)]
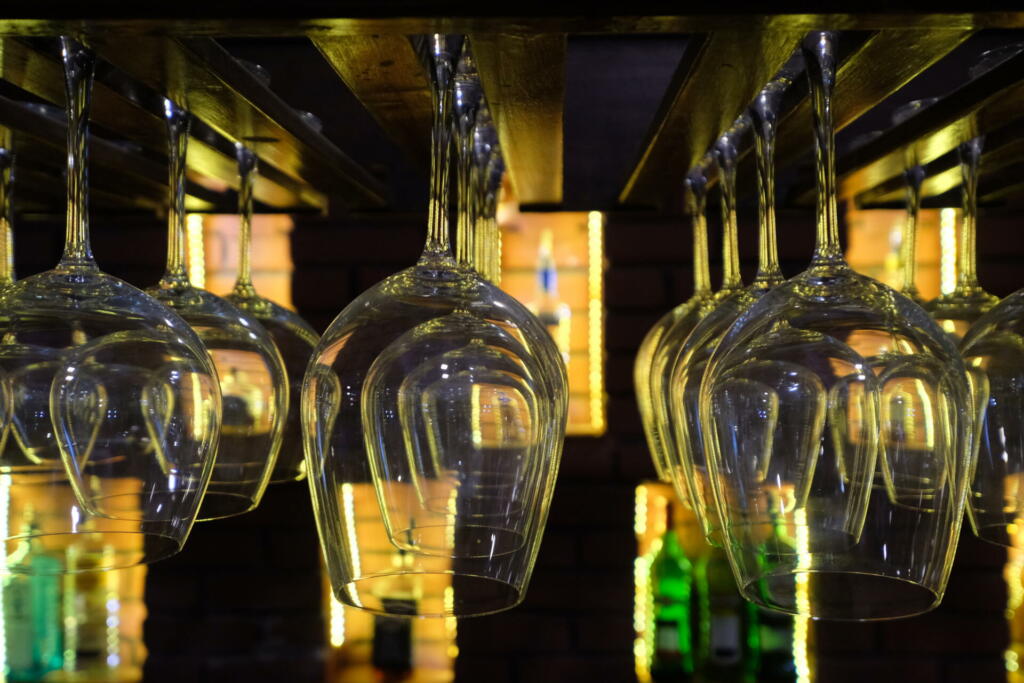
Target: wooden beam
[(203, 77), (986, 104), (132, 111), (385, 75), (878, 67), (715, 82), (524, 81)]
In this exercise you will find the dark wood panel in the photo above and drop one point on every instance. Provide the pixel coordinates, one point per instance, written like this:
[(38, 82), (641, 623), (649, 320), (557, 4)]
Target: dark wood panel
[(524, 82), (218, 89), (384, 73), (716, 81)]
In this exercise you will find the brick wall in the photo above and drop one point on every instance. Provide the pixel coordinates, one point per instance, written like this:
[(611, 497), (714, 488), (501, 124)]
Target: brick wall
[(243, 602)]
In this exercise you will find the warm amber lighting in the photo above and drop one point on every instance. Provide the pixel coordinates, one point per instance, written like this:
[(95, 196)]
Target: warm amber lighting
[(595, 335), (336, 620), (196, 250), (801, 624), (947, 240)]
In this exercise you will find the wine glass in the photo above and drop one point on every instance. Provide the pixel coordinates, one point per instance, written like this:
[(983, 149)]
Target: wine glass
[(114, 469), (914, 174), (253, 383), (488, 172), (293, 336), (673, 326), (422, 309), (691, 360), (6, 276), (859, 404)]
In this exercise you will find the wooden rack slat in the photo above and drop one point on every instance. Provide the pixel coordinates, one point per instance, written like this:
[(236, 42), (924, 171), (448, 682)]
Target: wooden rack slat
[(217, 88), (383, 72), (523, 77), (716, 81)]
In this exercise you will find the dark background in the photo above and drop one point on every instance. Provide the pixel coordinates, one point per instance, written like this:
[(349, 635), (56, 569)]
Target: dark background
[(243, 600)]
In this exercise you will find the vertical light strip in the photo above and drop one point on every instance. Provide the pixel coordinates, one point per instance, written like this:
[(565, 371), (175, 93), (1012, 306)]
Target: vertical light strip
[(642, 600), (801, 623), (348, 501), (451, 624), (196, 250), (595, 333), (5, 514), (947, 245), (337, 622)]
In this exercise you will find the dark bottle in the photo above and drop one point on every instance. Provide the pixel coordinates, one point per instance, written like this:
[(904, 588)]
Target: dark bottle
[(392, 635), (671, 578), (729, 625), (777, 662)]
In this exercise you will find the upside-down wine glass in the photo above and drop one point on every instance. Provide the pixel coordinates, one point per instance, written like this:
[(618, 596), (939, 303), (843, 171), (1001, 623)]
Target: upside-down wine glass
[(253, 383), (6, 276), (114, 471), (836, 418), (293, 336), (674, 325), (913, 175), (433, 382), (691, 360), (993, 350)]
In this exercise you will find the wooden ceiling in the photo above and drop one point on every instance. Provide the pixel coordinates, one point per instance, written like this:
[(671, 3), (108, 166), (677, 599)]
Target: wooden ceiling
[(722, 62)]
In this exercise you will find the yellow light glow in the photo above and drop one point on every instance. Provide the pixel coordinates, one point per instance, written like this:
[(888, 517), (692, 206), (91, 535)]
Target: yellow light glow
[(196, 250), (595, 333), (640, 511), (947, 243), (337, 623), (451, 624), (348, 501), (801, 623)]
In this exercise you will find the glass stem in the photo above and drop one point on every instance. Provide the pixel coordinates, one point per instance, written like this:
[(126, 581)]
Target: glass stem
[(696, 195), (246, 173), (967, 256), (908, 245), (441, 77), (6, 217), (178, 123), (79, 66), (821, 74), (725, 155), (763, 113)]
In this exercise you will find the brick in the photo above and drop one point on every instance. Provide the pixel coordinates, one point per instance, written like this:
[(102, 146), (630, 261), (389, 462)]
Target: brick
[(226, 635), (609, 549), (558, 549), (289, 550), (171, 590), (591, 505), (946, 634), (644, 287), (975, 590), (581, 592), (587, 457), (471, 668), (857, 669), (635, 462), (377, 244), (516, 632), (631, 241), (173, 669), (287, 631), (624, 416), (605, 634), (974, 669), (321, 287), (368, 276), (973, 552), (297, 669), (618, 369), (579, 669), (625, 330), (263, 590), (838, 637), (212, 545)]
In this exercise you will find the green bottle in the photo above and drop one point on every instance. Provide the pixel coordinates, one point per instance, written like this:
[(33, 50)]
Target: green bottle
[(777, 662), (671, 579), (729, 625), (31, 610)]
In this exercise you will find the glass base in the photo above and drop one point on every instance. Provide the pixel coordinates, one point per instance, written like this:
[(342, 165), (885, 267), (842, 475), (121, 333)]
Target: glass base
[(841, 595), (430, 594), (86, 551), (223, 504)]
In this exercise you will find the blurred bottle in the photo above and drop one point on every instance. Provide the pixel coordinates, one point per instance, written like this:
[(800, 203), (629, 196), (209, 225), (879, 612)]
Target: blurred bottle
[(31, 609), (671, 577), (729, 625), (554, 313), (777, 662), (392, 635)]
